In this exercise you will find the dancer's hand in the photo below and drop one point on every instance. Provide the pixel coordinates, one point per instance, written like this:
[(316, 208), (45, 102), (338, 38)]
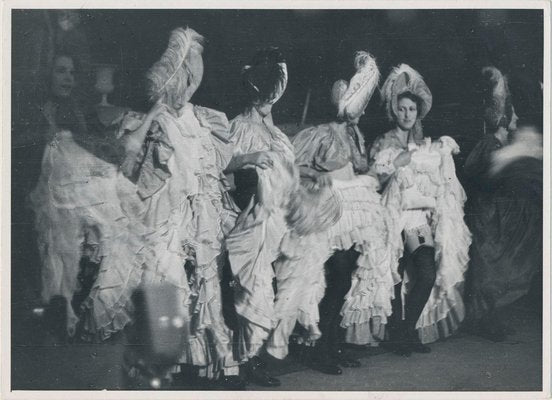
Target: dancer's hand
[(157, 109), (133, 144), (134, 140), (403, 159), (260, 159)]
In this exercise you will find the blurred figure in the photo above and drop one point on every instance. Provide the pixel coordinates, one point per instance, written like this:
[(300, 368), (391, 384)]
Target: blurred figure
[(49, 67), (53, 109), (526, 141), (42, 35), (75, 198), (504, 210)]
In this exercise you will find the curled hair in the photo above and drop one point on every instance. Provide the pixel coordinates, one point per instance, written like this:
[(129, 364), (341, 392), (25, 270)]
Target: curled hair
[(264, 78), (411, 96), (171, 75)]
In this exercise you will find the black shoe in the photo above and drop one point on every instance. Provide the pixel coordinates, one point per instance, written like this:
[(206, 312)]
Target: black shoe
[(419, 347), (232, 382), (415, 344), (345, 360), (256, 373), (402, 349), (298, 351), (329, 368), (398, 345), (325, 364)]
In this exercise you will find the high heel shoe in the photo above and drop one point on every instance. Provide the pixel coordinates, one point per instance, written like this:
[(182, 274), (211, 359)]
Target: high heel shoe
[(323, 362), (416, 345), (256, 373), (346, 360)]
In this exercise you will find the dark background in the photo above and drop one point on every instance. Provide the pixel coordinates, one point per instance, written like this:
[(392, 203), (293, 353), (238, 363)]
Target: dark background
[(448, 47)]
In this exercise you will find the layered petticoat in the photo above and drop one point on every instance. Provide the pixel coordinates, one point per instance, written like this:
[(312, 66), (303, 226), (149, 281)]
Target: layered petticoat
[(301, 284), (430, 180), (145, 233), (258, 249), (277, 238), (366, 226), (362, 223), (187, 217), (83, 207)]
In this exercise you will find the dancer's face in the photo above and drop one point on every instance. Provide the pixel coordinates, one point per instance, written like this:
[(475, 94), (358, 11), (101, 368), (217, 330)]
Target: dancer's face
[(63, 77), (407, 112)]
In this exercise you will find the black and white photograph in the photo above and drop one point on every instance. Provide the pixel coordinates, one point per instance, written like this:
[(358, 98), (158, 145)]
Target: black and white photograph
[(302, 200)]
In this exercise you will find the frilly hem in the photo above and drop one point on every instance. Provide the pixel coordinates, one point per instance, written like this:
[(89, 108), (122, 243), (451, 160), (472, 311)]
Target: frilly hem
[(365, 225), (452, 253), (373, 284), (443, 319), (103, 319), (246, 309), (367, 299), (363, 316), (370, 295), (197, 352), (368, 333), (277, 345), (358, 231)]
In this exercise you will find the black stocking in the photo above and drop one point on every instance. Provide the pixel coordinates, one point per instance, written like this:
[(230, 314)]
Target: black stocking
[(338, 280), (424, 272)]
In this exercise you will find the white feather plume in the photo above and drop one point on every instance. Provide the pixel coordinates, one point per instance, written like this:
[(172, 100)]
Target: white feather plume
[(170, 70), (361, 87), (496, 96)]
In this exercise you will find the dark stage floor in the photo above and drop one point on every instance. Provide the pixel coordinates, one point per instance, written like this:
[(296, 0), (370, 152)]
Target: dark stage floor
[(461, 363)]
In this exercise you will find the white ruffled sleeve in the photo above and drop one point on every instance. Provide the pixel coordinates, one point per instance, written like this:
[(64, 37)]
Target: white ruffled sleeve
[(383, 162), (382, 157)]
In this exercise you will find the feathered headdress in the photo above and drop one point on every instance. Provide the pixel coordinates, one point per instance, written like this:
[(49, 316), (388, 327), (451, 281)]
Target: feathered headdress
[(496, 98), (265, 78), (352, 98), (170, 72), (405, 79)]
